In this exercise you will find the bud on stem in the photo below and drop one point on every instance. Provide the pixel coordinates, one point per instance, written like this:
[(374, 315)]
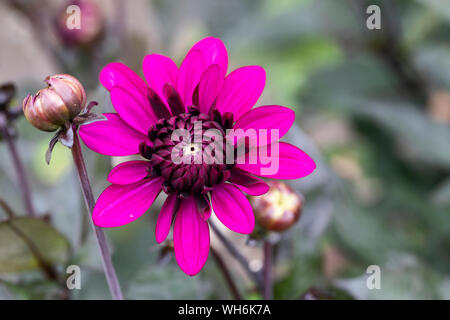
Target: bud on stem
[(278, 209), (61, 106), (58, 104)]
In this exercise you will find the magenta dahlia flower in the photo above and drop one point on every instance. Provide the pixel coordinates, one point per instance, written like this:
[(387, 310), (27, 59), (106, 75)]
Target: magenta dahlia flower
[(178, 98)]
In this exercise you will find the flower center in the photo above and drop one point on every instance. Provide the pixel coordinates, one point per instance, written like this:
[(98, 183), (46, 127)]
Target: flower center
[(186, 152), (192, 149)]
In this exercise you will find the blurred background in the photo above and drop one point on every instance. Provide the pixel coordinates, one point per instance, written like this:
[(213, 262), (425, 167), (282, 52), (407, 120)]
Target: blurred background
[(373, 110)]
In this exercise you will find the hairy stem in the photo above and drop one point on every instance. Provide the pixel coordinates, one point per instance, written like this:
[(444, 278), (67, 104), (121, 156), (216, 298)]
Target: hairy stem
[(226, 274), (18, 165), (110, 272), (268, 280), (255, 276)]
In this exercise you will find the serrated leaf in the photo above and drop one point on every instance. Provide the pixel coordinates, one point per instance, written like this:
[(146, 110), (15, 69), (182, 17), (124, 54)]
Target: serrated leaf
[(15, 253)]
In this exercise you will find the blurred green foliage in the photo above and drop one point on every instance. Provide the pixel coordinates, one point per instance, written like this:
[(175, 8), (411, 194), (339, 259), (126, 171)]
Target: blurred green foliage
[(374, 117), (17, 256)]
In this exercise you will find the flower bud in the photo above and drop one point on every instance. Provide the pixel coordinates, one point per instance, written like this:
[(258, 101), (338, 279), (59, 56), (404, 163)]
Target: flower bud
[(56, 105), (90, 19), (279, 208)]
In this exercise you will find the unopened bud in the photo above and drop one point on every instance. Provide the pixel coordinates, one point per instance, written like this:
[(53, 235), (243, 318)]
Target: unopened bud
[(279, 208), (80, 23), (52, 107)]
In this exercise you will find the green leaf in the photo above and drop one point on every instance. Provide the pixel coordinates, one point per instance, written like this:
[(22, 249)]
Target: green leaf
[(426, 139), (15, 238), (402, 277), (435, 59), (165, 282), (304, 269), (365, 234), (441, 196), (441, 7)]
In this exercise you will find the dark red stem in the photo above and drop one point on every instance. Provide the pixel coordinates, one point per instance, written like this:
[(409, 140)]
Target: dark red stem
[(226, 274), (18, 165), (110, 272), (268, 272), (255, 276)]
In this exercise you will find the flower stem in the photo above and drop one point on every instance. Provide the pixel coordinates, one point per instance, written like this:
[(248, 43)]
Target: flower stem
[(226, 274), (268, 281), (17, 162), (110, 272), (255, 276)]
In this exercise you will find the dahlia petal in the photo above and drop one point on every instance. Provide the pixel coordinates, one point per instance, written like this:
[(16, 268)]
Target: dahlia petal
[(129, 172), (118, 74), (121, 204), (288, 163), (159, 108), (189, 75), (173, 99), (241, 89), (203, 205), (159, 70), (135, 110), (190, 237), (209, 87), (112, 137), (248, 183), (232, 208), (267, 118), (213, 51), (165, 217)]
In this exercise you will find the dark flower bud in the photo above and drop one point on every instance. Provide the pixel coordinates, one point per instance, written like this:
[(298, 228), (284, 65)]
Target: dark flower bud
[(53, 107), (279, 208), (89, 18)]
